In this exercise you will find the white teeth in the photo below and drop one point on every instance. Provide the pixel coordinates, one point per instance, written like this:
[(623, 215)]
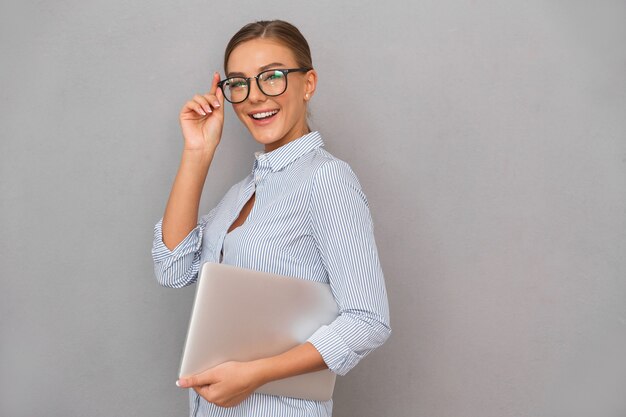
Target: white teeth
[(264, 114)]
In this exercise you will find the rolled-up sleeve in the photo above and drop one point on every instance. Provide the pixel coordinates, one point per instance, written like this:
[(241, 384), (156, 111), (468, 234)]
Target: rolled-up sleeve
[(343, 231), (179, 267)]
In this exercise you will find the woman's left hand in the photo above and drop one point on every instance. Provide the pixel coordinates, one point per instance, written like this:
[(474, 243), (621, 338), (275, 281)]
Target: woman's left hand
[(226, 384)]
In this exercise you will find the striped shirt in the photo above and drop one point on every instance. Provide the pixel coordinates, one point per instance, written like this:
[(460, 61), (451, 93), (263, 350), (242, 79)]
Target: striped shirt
[(310, 220)]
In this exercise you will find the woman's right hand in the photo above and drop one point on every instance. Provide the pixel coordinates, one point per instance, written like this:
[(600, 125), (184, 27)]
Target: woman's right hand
[(202, 119)]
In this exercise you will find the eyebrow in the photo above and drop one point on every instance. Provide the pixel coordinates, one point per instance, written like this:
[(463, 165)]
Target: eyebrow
[(261, 69)]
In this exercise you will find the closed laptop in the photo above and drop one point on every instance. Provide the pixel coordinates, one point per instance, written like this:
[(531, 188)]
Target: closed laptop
[(240, 314)]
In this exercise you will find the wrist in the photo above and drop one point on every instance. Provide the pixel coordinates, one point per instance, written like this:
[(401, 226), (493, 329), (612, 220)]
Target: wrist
[(199, 154), (197, 161), (261, 371)]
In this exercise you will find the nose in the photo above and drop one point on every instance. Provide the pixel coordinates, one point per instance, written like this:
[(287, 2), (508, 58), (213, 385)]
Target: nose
[(256, 95)]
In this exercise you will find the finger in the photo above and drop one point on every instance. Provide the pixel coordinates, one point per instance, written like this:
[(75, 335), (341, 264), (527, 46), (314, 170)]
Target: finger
[(203, 102), (214, 81), (205, 392), (201, 391), (188, 382), (192, 106), (204, 378), (215, 102), (220, 96)]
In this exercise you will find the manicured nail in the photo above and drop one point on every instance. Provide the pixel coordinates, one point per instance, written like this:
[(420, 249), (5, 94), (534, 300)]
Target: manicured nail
[(216, 103), (177, 383)]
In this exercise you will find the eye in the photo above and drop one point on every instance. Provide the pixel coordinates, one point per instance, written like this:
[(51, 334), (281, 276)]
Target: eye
[(272, 75), (234, 83)]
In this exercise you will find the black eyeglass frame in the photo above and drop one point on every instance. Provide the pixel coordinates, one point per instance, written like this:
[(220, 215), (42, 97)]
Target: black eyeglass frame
[(285, 71)]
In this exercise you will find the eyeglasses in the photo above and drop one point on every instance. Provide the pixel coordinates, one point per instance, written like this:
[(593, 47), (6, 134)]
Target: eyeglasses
[(271, 82)]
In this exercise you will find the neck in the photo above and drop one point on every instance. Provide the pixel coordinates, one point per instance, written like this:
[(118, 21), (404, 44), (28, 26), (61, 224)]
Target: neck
[(288, 138)]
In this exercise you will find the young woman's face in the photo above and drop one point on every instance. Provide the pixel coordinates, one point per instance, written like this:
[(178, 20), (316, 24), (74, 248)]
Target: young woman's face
[(287, 120)]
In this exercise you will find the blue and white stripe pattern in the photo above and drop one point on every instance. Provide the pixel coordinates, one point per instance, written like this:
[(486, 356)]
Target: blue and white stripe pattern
[(310, 220)]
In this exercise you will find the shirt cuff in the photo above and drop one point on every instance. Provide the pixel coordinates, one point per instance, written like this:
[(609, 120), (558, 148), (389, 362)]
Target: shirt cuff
[(161, 253), (336, 354)]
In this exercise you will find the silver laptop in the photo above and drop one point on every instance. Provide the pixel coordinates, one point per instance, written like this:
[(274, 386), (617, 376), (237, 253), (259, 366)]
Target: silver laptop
[(240, 314)]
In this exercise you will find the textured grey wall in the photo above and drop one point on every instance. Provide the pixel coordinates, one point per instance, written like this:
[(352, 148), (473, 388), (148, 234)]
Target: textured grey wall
[(490, 138)]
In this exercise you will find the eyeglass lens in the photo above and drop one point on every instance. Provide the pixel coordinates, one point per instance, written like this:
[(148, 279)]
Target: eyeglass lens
[(271, 83)]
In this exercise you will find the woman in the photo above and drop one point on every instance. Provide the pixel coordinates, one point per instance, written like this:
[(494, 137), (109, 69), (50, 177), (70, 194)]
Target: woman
[(301, 212)]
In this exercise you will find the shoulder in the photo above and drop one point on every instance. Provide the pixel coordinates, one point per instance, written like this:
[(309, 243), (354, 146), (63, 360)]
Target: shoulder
[(334, 183), (330, 170)]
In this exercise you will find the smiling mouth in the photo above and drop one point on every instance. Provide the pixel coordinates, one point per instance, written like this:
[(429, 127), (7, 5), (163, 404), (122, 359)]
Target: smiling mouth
[(263, 115)]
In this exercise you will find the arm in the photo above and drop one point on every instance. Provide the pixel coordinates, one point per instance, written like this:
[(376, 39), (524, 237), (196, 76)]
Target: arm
[(299, 360), (230, 383), (201, 120), (178, 267), (181, 211), (178, 235), (343, 229)]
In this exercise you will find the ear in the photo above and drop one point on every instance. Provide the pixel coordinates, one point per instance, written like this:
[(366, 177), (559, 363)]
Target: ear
[(310, 82)]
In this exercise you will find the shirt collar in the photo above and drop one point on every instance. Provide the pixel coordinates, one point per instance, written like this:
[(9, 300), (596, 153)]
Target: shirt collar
[(289, 152)]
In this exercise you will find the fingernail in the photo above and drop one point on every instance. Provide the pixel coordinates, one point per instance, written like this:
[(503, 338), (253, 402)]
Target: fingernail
[(216, 103), (177, 383)]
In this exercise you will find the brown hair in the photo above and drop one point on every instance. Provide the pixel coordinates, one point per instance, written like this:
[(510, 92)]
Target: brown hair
[(284, 32)]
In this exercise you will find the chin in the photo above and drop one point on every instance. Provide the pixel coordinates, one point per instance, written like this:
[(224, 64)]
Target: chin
[(267, 135), (265, 138)]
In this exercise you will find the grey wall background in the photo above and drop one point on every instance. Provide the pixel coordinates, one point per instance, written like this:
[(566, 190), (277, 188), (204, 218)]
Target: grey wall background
[(490, 138)]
